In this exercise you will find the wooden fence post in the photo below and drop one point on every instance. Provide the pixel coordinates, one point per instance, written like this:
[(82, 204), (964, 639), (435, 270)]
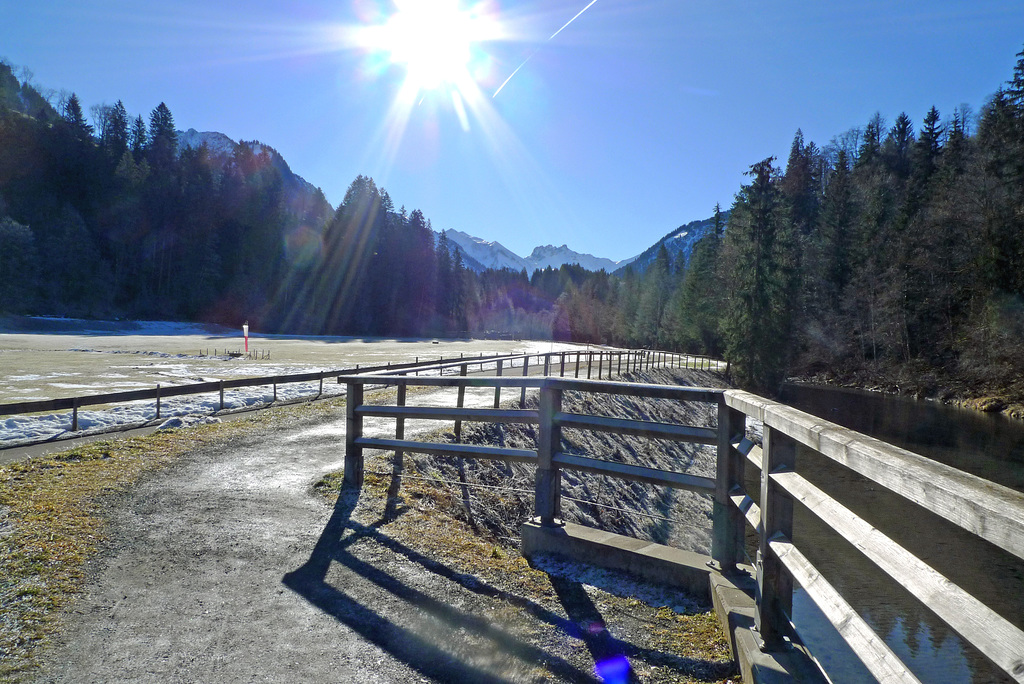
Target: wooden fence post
[(590, 362), (547, 365), (74, 415), (400, 431), (548, 485), (561, 368), (353, 432), (221, 395), (497, 390), (158, 401), (460, 402), (522, 397), (600, 364), (774, 596), (727, 534), (577, 365)]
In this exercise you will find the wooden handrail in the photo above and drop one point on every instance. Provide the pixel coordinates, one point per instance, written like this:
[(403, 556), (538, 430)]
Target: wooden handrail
[(985, 509)]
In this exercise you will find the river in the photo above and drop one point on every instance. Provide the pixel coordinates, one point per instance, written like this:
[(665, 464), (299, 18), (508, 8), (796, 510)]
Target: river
[(989, 446)]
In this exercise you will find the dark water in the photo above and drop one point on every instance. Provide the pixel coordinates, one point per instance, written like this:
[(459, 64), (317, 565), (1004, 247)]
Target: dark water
[(988, 446)]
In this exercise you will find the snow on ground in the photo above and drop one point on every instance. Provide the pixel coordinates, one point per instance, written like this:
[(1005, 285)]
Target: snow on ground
[(57, 358)]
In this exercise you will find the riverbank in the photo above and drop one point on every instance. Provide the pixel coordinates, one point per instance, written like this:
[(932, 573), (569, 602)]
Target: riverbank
[(985, 394)]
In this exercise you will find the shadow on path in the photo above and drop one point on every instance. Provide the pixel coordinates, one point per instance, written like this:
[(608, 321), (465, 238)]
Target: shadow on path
[(417, 648), (448, 638)]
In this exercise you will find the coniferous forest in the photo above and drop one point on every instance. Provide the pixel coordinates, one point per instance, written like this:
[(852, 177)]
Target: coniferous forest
[(895, 251)]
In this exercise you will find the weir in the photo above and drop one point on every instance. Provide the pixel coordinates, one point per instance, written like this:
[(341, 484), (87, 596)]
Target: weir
[(754, 599)]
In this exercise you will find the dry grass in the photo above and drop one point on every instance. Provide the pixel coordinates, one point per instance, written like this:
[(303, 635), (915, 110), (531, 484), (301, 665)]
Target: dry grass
[(429, 522)]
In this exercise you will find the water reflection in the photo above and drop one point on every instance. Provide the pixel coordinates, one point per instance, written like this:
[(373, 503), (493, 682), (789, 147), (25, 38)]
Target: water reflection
[(988, 446)]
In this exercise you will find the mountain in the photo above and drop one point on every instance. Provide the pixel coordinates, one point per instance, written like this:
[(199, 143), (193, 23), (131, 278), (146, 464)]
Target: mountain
[(222, 148), (552, 256), (480, 254), (486, 254), (679, 243)]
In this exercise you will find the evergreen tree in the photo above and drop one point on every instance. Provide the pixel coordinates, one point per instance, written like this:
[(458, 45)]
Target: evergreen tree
[(138, 138), (115, 133), (700, 298), (75, 119), (800, 185), (163, 139), (758, 321)]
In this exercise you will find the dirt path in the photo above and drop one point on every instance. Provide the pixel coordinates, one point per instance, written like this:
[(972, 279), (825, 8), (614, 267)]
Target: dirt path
[(192, 588), (225, 567)]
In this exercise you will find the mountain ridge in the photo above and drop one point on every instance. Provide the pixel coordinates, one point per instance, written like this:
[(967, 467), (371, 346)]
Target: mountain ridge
[(493, 254)]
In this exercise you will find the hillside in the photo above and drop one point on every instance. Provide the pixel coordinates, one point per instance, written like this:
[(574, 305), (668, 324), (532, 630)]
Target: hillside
[(679, 243)]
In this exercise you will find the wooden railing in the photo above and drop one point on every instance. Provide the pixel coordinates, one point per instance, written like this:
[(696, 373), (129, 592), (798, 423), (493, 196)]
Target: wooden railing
[(990, 511), (606, 361)]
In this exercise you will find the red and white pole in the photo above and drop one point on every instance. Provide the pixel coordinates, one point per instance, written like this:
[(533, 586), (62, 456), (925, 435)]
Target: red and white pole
[(245, 332)]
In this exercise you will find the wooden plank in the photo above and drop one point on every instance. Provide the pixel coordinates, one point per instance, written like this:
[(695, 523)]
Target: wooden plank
[(447, 380), (750, 510), (640, 428), (547, 499), (755, 456), (990, 633), (446, 413), (464, 450), (991, 511), (703, 394), (636, 473), (775, 586), (353, 433), (727, 522), (876, 655)]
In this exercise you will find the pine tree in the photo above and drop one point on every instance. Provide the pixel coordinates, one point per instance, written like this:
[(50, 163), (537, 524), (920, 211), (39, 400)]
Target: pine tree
[(163, 139), (700, 298), (758, 321), (800, 185), (898, 145), (115, 133), (75, 119), (138, 138)]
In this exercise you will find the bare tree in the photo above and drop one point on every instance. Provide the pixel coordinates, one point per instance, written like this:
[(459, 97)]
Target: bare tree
[(101, 114)]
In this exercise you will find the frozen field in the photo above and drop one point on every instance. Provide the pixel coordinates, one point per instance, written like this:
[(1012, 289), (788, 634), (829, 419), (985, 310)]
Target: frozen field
[(57, 358)]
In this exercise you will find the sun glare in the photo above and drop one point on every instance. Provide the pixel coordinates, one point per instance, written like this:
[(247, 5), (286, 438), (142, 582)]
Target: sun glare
[(433, 40)]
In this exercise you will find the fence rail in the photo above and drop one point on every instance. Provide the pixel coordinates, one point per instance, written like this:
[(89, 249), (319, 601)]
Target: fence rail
[(635, 359), (980, 507)]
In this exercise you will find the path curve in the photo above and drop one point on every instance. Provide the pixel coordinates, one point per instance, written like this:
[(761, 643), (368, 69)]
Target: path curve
[(192, 587)]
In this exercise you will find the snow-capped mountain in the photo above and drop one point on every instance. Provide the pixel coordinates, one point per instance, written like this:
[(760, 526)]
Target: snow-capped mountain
[(549, 255), (217, 143), (495, 255), (679, 243), (487, 254), (223, 148)]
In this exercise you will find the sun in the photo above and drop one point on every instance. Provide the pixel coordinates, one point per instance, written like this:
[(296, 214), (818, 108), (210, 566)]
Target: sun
[(433, 40)]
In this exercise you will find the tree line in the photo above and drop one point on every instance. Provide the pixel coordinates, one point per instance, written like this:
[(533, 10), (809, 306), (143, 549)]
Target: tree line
[(888, 251), (888, 248)]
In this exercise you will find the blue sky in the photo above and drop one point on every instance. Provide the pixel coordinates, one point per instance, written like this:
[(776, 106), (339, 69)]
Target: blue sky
[(637, 117)]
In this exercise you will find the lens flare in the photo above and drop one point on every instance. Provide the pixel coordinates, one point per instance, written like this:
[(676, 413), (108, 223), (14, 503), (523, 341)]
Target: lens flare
[(435, 41)]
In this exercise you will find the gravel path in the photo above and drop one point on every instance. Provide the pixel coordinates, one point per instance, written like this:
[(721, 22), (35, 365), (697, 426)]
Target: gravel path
[(193, 587)]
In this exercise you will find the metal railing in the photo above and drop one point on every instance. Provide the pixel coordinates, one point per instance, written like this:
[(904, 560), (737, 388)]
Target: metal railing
[(980, 507)]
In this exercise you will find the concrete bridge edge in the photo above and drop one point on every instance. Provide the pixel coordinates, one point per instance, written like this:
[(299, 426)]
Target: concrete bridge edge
[(732, 596)]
